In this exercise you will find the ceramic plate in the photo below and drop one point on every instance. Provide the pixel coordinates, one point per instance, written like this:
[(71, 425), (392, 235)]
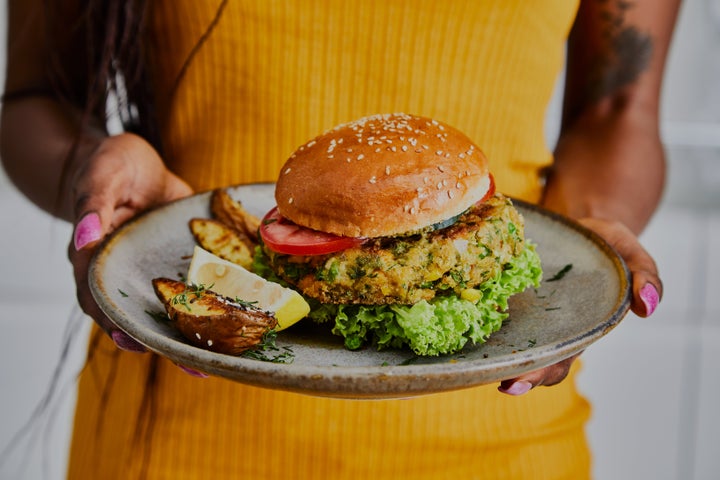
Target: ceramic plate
[(545, 325)]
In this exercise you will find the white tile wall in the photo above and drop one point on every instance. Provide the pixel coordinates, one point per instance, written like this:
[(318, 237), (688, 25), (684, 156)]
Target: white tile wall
[(654, 382)]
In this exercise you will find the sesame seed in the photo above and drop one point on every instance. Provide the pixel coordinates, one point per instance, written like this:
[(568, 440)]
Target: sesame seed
[(462, 155), (413, 211), (387, 170), (310, 144), (290, 200), (198, 336), (439, 186), (439, 152), (404, 148), (458, 185), (360, 157), (287, 170), (441, 168), (393, 149), (426, 180), (426, 147), (373, 179), (210, 343), (450, 194), (377, 150)]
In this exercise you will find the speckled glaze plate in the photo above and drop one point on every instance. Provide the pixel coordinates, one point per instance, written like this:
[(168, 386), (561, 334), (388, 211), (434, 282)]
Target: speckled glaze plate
[(545, 325)]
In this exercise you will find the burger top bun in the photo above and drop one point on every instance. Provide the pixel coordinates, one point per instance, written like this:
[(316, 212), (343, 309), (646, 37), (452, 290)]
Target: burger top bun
[(382, 175)]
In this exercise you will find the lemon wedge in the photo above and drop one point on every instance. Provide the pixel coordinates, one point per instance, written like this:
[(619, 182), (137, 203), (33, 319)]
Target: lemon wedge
[(233, 281)]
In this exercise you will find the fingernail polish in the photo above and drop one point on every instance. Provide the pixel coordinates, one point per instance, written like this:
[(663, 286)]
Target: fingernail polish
[(650, 298), (193, 372), (517, 388), (87, 230), (124, 342)]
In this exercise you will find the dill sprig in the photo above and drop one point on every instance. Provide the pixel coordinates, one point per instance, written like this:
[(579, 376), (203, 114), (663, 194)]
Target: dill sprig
[(195, 289), (268, 351), (559, 275)]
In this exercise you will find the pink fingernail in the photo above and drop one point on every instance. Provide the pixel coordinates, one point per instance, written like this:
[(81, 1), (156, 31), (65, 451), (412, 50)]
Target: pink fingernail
[(517, 388), (124, 342), (650, 298), (193, 372), (87, 230)]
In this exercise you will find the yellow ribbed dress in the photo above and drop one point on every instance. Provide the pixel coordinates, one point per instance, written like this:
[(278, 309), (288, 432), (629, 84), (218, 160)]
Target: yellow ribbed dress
[(239, 85)]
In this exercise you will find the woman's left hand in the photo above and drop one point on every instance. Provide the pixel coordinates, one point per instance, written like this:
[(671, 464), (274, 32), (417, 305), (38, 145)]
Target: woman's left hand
[(646, 294)]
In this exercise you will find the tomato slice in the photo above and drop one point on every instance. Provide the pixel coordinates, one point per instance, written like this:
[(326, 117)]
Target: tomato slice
[(283, 236), (490, 192)]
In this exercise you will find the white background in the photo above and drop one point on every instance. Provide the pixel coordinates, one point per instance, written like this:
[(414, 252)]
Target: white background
[(654, 383)]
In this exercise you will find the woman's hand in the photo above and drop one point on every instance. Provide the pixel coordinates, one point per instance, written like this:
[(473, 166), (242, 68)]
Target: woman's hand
[(609, 165), (646, 294), (121, 178)]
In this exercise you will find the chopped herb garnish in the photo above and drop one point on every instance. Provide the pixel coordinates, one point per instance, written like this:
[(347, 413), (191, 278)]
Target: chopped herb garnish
[(182, 299), (267, 345), (246, 303), (410, 360), (197, 290), (161, 317), (532, 343), (122, 293), (563, 271), (551, 309)]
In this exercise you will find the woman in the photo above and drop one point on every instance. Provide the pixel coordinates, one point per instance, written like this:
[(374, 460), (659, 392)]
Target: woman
[(221, 92)]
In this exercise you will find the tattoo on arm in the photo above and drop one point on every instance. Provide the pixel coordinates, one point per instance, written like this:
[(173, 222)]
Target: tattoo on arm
[(624, 55)]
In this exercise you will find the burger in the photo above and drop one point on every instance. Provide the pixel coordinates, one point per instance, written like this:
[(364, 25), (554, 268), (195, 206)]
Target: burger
[(391, 228)]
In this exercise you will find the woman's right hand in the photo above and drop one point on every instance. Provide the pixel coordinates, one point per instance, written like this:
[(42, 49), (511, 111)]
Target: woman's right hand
[(121, 178)]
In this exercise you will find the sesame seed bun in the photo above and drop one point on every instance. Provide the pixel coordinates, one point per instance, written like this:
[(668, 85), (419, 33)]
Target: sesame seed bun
[(382, 175)]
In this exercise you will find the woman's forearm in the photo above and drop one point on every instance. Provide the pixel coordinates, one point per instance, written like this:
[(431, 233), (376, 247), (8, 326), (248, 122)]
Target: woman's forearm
[(40, 144), (609, 166), (609, 160)]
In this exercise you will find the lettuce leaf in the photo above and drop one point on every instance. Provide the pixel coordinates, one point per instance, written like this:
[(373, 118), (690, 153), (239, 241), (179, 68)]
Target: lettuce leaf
[(440, 326)]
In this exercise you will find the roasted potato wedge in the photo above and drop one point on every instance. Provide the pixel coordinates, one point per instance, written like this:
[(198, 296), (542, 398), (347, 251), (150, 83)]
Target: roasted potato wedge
[(222, 240), (211, 321), (231, 212)]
